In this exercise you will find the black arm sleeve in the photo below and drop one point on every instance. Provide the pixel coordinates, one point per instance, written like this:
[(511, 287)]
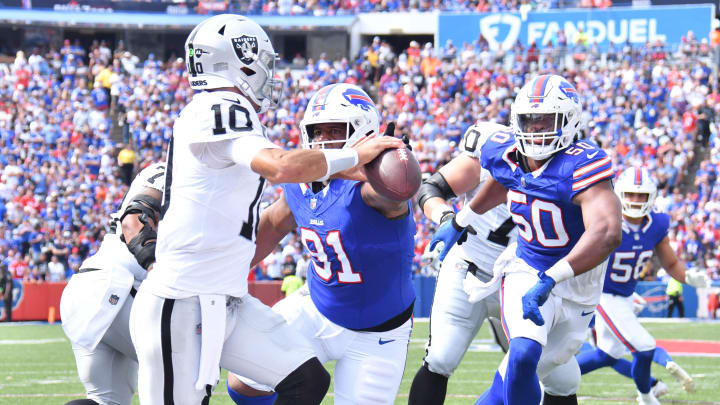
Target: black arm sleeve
[(434, 186)]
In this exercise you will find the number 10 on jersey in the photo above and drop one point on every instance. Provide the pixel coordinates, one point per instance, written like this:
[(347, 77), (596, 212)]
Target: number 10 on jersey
[(323, 263)]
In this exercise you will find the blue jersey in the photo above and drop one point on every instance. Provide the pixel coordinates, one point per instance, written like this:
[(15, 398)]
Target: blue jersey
[(628, 260), (360, 275), (540, 203)]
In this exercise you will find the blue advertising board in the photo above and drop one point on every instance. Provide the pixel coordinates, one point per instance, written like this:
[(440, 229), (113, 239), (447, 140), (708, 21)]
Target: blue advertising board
[(619, 24)]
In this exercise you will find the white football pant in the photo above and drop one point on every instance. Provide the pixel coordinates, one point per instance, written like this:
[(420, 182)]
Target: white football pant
[(454, 321), (110, 372), (258, 343)]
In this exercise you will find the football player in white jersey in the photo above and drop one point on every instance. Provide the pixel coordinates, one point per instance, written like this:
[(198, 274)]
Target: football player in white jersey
[(193, 314), (454, 320), (95, 304)]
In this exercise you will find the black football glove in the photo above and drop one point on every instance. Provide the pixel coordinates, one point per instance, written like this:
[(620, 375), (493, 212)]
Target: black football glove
[(390, 129)]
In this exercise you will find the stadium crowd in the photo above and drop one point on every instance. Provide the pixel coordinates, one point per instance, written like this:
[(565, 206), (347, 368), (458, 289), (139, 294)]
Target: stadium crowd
[(350, 7), (61, 112)]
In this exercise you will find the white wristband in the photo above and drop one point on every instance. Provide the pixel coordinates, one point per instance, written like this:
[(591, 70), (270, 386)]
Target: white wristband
[(465, 216), (438, 212), (338, 160), (560, 271)]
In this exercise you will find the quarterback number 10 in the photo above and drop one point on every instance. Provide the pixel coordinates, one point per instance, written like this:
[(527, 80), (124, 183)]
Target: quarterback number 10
[(232, 119), (323, 264)]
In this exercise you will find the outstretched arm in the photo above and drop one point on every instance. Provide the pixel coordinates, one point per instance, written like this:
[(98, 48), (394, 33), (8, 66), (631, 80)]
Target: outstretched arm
[(676, 267), (459, 176), (306, 165)]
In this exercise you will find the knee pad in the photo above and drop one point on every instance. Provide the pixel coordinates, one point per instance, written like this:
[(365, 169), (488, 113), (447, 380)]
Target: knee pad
[(561, 381), (443, 361), (377, 381), (307, 385)]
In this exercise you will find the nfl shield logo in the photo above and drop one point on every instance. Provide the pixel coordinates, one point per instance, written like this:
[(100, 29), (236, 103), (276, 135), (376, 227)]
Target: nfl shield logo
[(246, 48), (313, 203), (113, 299)]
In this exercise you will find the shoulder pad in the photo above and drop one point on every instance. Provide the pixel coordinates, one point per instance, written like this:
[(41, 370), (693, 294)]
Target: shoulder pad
[(590, 164), (476, 136)]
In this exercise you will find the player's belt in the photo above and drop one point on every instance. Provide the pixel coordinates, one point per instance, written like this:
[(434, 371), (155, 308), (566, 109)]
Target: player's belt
[(481, 274), (133, 291)]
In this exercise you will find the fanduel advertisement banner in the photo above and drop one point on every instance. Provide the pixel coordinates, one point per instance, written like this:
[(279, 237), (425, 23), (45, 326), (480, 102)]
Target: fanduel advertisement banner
[(637, 25)]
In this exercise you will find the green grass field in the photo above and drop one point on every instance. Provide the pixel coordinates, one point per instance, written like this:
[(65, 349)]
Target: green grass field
[(37, 367)]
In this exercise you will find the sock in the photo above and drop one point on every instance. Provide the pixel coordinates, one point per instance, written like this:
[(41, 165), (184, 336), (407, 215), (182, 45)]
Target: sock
[(555, 400), (428, 388), (624, 367), (494, 394), (661, 356), (241, 399), (592, 360), (521, 380), (641, 370)]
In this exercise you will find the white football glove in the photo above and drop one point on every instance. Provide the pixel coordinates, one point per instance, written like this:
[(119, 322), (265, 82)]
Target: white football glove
[(431, 257), (639, 303), (697, 278)]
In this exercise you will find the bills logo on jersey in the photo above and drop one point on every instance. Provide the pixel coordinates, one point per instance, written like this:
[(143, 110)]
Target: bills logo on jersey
[(569, 91), (246, 48), (359, 99)]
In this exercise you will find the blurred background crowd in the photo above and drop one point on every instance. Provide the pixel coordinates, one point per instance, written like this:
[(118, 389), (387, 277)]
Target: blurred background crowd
[(76, 124)]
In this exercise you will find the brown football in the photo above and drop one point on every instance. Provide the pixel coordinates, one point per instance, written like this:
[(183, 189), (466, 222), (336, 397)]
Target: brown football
[(395, 174)]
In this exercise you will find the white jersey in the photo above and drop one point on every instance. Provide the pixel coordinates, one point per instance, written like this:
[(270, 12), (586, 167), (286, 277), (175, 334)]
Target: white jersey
[(206, 238), (495, 228)]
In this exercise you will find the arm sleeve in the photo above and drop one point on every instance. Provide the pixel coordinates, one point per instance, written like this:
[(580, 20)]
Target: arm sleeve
[(221, 154)]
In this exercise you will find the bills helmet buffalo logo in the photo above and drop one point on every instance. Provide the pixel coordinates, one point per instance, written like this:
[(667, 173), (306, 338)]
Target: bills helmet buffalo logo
[(569, 91), (359, 99), (246, 48)]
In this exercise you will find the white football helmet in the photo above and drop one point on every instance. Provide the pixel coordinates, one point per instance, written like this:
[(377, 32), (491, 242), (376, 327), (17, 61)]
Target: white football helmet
[(340, 103), (545, 116), (152, 176), (230, 50), (636, 180)]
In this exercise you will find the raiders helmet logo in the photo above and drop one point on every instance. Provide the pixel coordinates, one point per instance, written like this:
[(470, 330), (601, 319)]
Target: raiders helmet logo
[(246, 48)]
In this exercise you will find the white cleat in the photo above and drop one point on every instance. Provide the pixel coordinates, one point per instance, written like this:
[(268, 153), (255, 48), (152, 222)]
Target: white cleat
[(647, 399), (681, 375), (659, 389)]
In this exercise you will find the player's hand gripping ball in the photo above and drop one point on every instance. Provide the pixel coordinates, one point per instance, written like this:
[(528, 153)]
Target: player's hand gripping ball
[(395, 173)]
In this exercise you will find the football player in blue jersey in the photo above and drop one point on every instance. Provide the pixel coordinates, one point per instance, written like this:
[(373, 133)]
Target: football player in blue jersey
[(360, 302), (618, 328), (559, 194)]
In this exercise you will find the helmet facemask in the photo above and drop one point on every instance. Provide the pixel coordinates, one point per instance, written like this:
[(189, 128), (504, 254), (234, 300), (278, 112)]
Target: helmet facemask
[(545, 116), (344, 104), (635, 209), (340, 138), (539, 134), (636, 181)]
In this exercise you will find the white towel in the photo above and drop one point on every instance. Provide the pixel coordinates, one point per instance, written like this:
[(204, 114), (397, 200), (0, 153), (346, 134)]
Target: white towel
[(476, 289), (212, 317)]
